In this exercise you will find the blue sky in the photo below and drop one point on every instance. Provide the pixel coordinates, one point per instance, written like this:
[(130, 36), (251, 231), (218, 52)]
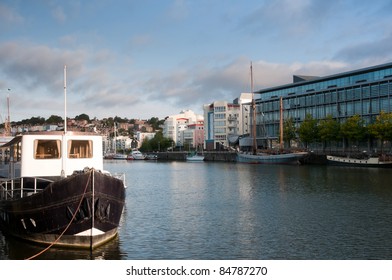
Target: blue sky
[(153, 58)]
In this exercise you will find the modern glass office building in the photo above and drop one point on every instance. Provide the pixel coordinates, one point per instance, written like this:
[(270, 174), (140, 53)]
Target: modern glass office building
[(365, 92)]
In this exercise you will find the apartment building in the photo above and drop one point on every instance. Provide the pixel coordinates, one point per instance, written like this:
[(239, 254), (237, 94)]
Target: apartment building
[(184, 128)]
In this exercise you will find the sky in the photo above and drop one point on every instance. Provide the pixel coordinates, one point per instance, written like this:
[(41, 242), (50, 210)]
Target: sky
[(139, 59)]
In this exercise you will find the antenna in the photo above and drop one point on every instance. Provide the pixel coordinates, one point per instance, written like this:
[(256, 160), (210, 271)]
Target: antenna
[(65, 99)]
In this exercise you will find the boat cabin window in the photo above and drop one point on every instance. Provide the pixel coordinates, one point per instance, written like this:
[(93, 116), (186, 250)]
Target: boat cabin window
[(46, 149), (80, 149)]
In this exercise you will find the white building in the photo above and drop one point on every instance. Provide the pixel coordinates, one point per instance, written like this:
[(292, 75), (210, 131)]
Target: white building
[(175, 125), (193, 136), (141, 136), (224, 122), (244, 120)]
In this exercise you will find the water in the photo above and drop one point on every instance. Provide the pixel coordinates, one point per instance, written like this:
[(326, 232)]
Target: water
[(182, 210)]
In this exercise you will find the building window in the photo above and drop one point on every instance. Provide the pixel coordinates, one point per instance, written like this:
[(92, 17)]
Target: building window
[(220, 109), (47, 149), (80, 149)]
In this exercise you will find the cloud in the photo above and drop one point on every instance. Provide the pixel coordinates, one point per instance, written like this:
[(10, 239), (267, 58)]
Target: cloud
[(59, 14), (98, 86), (37, 66), (8, 16), (201, 84), (178, 10), (368, 52), (288, 18)]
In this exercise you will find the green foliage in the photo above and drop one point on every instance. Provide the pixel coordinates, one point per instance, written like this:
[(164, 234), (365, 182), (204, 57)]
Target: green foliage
[(382, 128), (120, 120), (353, 129), (54, 119), (289, 131), (155, 122), (32, 121), (329, 129), (308, 131), (82, 117), (158, 143)]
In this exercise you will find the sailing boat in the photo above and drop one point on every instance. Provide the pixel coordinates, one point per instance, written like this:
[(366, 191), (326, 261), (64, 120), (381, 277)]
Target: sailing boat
[(117, 155), (7, 135), (267, 158)]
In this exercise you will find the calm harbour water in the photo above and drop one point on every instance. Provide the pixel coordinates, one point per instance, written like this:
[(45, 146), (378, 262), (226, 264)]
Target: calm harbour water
[(180, 210)]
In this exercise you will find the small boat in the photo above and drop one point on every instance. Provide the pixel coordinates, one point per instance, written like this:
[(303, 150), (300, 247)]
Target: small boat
[(108, 156), (120, 156), (55, 190), (152, 156), (195, 157), (355, 162), (137, 155)]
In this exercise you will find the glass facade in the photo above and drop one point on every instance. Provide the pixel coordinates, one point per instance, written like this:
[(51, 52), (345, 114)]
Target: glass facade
[(363, 92)]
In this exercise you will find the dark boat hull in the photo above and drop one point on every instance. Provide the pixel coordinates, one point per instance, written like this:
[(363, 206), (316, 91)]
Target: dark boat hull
[(82, 210), (291, 158)]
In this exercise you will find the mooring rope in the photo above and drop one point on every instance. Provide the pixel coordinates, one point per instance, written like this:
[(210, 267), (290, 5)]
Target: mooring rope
[(69, 224)]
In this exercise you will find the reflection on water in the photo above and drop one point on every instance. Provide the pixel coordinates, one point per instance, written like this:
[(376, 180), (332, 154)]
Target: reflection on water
[(16, 249), (180, 210)]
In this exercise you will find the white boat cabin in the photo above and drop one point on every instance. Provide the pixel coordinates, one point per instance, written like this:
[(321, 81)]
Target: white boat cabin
[(54, 153)]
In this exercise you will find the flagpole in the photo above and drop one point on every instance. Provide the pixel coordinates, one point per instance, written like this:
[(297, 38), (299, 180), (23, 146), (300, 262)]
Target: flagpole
[(65, 99), (64, 142)]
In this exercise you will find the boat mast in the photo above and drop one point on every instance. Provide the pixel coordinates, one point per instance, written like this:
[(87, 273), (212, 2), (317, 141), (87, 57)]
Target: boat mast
[(281, 123), (65, 99), (64, 142), (254, 146), (115, 138), (7, 125)]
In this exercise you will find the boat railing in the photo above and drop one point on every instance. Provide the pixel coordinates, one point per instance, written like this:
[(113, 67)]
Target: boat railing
[(21, 187)]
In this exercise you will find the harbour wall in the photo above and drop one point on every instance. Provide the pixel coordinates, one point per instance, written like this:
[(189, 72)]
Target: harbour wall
[(208, 156), (311, 158)]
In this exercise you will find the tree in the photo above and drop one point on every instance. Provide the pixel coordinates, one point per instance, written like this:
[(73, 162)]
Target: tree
[(382, 128), (353, 129), (82, 117), (289, 131), (158, 143), (308, 131), (54, 119), (155, 122), (328, 130)]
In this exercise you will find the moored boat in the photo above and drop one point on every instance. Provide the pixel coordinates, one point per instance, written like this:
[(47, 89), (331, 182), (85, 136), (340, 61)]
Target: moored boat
[(56, 191), (120, 157), (136, 154), (195, 157), (152, 156), (359, 162), (278, 157), (265, 158)]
